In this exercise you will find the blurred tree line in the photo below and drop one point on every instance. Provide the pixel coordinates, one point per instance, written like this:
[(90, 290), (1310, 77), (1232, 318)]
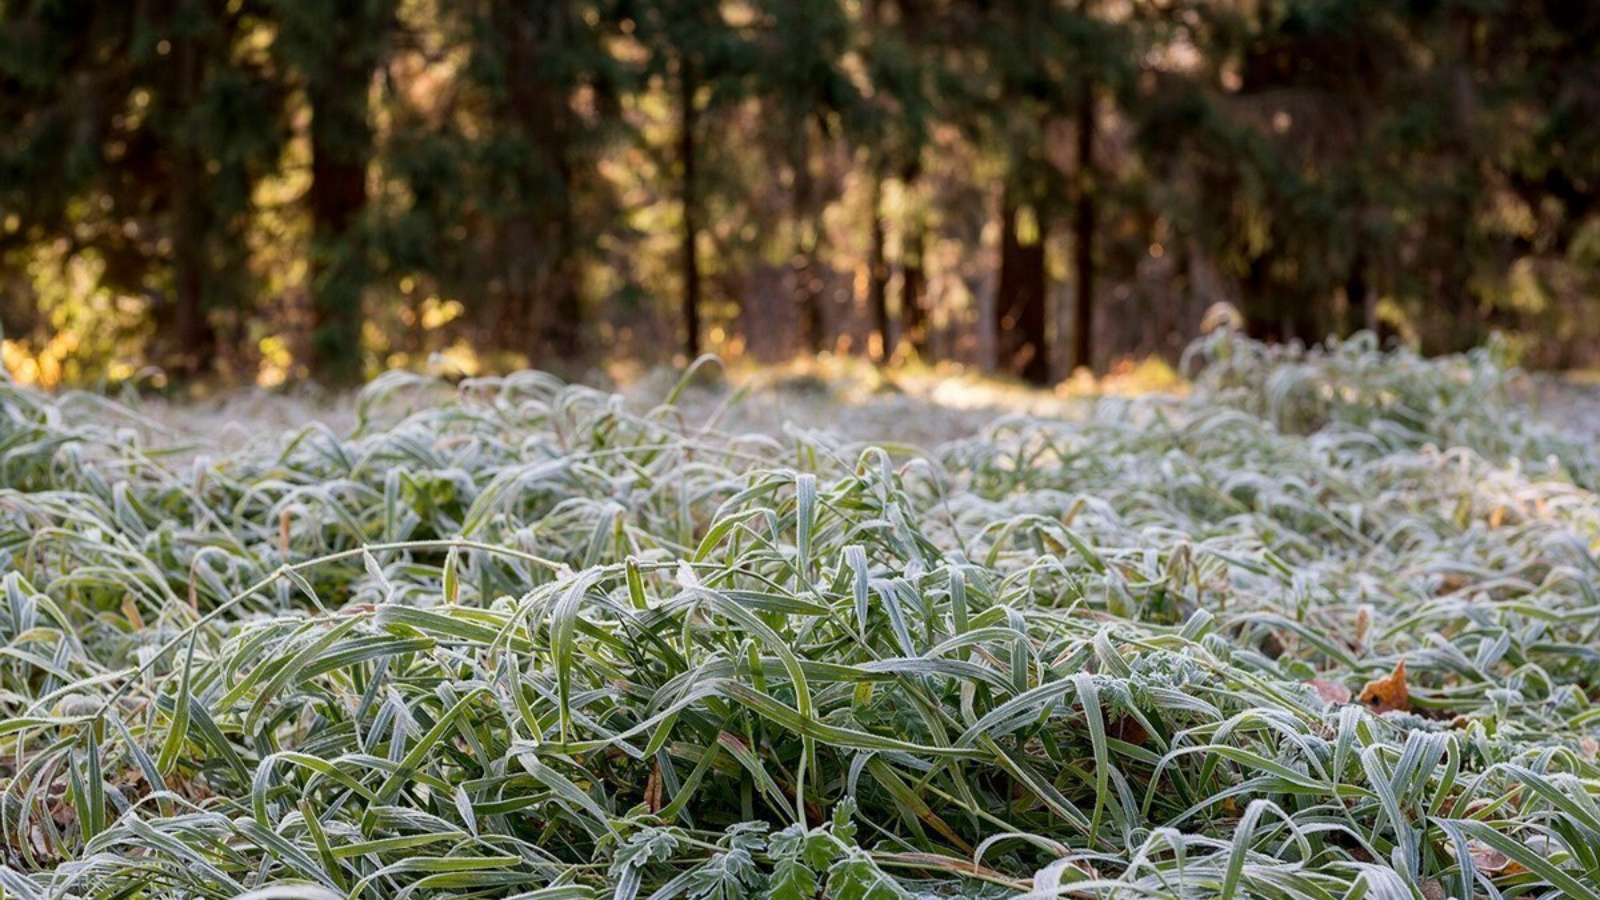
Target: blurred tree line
[(265, 189)]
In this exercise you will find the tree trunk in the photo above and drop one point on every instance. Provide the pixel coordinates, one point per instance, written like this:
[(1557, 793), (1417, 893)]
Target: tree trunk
[(1020, 300), (913, 278), (813, 325), (341, 148), (537, 255), (194, 337), (1083, 228), (1356, 290), (691, 228), (878, 274), (337, 196), (808, 285)]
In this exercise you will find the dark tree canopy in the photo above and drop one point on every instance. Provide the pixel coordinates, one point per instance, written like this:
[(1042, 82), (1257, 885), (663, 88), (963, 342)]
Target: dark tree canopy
[(257, 190)]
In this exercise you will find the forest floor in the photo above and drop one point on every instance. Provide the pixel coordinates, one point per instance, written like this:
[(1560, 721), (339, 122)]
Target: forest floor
[(851, 402), (1317, 624), (1570, 401)]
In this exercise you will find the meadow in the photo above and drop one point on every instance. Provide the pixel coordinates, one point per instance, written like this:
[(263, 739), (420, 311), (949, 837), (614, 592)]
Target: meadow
[(1324, 625)]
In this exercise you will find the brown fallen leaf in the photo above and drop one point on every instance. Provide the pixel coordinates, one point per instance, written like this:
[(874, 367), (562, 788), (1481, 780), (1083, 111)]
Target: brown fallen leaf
[(1490, 861), (962, 867), (1128, 730), (652, 789), (1331, 691), (1487, 859), (1389, 693)]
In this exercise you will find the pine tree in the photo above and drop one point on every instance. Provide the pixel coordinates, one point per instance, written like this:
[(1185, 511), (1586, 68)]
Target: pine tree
[(334, 52), (691, 45), (805, 95), (143, 130)]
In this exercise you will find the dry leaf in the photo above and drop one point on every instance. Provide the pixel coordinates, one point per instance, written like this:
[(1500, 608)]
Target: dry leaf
[(1487, 859), (1331, 691), (1433, 890), (131, 612), (652, 789), (1128, 730), (1389, 693)]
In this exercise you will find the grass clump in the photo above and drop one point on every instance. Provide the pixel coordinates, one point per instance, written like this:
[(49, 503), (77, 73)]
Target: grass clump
[(515, 638)]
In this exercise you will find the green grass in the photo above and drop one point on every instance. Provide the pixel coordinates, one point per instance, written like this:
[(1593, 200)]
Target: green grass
[(513, 638)]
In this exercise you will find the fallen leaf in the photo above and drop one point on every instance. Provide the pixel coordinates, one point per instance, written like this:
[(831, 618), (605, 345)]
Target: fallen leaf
[(1487, 859), (1433, 890), (652, 789), (1389, 693), (1331, 691), (1128, 729)]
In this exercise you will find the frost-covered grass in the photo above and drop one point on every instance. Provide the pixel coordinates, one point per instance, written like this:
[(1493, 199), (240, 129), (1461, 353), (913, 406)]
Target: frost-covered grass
[(1328, 626)]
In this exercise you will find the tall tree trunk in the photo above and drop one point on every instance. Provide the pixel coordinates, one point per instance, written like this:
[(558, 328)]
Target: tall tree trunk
[(1021, 296), (194, 336), (808, 284), (913, 278), (1083, 229), (564, 331), (537, 246), (337, 197), (691, 229), (1356, 289), (341, 148), (813, 324), (878, 273)]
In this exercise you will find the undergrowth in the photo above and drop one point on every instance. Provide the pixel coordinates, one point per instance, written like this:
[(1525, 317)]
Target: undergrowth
[(1327, 627)]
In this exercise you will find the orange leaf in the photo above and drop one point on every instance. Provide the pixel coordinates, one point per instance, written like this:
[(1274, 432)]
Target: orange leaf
[(1389, 693)]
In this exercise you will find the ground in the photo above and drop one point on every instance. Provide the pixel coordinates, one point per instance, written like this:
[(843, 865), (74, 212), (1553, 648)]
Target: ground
[(923, 408)]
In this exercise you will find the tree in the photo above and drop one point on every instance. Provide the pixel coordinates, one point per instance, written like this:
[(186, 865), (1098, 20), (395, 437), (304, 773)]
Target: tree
[(144, 128), (691, 44), (334, 52), (805, 94), (1021, 52), (893, 124)]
